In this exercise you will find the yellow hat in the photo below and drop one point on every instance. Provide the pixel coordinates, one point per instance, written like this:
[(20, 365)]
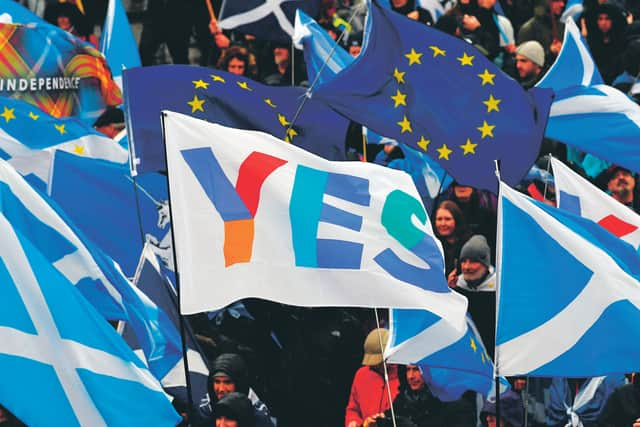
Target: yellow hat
[(372, 350)]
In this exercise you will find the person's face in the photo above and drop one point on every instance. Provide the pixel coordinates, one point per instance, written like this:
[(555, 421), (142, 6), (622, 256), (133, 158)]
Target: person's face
[(222, 385), (280, 55), (223, 421), (445, 224), (354, 50), (63, 22), (622, 182), (414, 378), (236, 66), (486, 4), (398, 3), (491, 421), (526, 67), (472, 270), (604, 23), (463, 193), (556, 7)]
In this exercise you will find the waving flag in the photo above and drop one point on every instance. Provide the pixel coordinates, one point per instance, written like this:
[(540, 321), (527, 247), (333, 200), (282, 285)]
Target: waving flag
[(29, 137), (18, 14), (438, 94), (276, 222), (587, 114), (569, 294), (117, 42), (580, 197), (54, 340), (265, 19), (572, 10), (226, 99)]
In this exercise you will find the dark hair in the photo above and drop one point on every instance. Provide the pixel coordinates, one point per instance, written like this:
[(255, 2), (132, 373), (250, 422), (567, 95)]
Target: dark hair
[(243, 54)]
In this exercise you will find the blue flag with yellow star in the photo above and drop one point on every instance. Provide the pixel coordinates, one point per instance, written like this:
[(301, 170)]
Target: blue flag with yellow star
[(226, 99), (440, 95)]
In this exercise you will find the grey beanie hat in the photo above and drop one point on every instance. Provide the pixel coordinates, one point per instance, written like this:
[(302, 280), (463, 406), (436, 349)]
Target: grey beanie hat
[(532, 50), (476, 249)]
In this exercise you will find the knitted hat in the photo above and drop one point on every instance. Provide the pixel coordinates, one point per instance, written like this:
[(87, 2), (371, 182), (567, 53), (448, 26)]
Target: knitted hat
[(476, 249), (236, 406), (533, 51), (232, 365), (372, 348)]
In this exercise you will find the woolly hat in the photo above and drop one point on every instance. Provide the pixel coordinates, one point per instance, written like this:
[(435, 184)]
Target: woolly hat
[(476, 249), (232, 365), (372, 350), (533, 51), (236, 406), (511, 408)]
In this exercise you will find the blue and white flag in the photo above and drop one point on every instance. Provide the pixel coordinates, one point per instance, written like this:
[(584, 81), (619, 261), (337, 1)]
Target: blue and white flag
[(573, 9), (579, 196), (13, 12), (117, 42), (29, 137), (265, 19), (54, 340), (587, 114), (568, 293)]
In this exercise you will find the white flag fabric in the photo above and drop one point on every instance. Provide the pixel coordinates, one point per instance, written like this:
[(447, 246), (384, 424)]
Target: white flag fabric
[(256, 217)]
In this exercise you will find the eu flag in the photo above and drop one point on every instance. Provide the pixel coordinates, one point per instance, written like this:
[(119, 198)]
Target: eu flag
[(440, 95), (226, 99)]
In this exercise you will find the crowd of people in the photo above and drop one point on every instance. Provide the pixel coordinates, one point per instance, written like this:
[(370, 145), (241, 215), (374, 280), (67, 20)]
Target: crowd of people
[(272, 364)]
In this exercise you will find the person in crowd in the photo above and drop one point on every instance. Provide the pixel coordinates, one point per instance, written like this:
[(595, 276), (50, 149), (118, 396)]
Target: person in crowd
[(529, 63), (475, 278), (354, 44), (451, 229), (234, 410), (283, 73), (511, 411), (606, 39), (229, 374), (579, 401), (110, 122), (622, 408), (620, 183), (412, 10), (545, 27), (240, 61), (170, 22), (68, 17), (489, 31), (369, 396)]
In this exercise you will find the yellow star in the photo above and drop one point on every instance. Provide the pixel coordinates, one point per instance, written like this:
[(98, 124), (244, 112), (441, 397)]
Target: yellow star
[(469, 148), (196, 104), (423, 143), (78, 149), (413, 57), (398, 75), (60, 128), (487, 77), (399, 98), (291, 133), (244, 85), (405, 124), (270, 103), (8, 114), (33, 115), (492, 104), (466, 59), (217, 78), (473, 345), (483, 359), (486, 129), (437, 51), (443, 152), (283, 120), (200, 84)]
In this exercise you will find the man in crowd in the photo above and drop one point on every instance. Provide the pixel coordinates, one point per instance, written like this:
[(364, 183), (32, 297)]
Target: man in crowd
[(529, 63)]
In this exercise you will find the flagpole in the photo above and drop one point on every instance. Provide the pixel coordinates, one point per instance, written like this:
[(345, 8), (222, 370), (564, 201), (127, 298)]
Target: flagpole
[(496, 372), (183, 333), (384, 365), (546, 182), (138, 213)]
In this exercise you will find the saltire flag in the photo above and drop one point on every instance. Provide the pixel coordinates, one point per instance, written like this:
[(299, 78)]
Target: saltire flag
[(296, 228), (568, 293), (118, 212), (452, 363), (266, 19), (117, 43), (53, 339), (67, 78), (150, 280), (577, 195), (29, 137), (438, 94), (95, 274), (227, 99), (587, 114), (572, 10)]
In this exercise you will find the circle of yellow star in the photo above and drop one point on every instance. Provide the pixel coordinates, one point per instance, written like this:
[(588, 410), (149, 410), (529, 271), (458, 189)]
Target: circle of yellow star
[(33, 116), (217, 78), (423, 143), (413, 57), (466, 59), (78, 149), (8, 114), (196, 104), (469, 147), (283, 120), (291, 133), (492, 104), (60, 128), (405, 125), (399, 99), (398, 75), (244, 85), (200, 84), (443, 152), (487, 77), (486, 129), (473, 345), (270, 103), (437, 51)]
